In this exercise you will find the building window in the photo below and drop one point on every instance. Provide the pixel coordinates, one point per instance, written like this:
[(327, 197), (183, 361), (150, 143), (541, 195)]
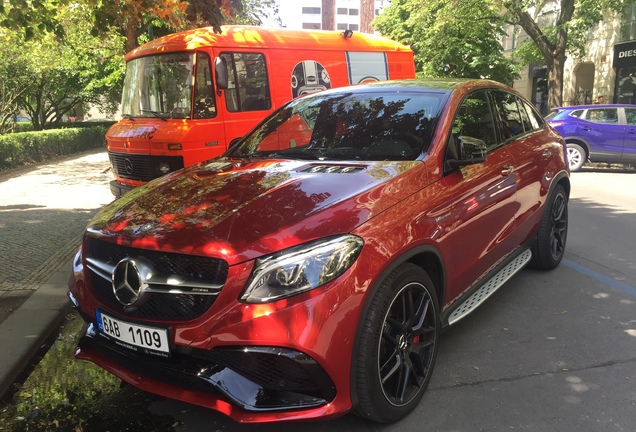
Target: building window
[(354, 12), (345, 26), (311, 10), (628, 23), (343, 11), (311, 26)]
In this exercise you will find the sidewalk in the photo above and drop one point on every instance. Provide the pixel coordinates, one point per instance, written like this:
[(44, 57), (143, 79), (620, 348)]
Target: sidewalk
[(43, 212)]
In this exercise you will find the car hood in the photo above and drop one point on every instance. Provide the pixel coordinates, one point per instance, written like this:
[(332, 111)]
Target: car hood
[(239, 210)]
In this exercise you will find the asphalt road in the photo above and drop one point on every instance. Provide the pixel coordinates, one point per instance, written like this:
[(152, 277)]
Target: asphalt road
[(550, 351)]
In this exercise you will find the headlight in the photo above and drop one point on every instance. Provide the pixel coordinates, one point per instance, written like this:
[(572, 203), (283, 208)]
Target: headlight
[(301, 268)]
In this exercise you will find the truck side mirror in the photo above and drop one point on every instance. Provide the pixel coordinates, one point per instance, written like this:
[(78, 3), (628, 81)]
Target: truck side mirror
[(220, 68)]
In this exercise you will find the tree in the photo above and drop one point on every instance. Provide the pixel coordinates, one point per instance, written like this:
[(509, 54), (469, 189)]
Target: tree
[(567, 36), (257, 12), (456, 38), (328, 14), (64, 74), (13, 83)]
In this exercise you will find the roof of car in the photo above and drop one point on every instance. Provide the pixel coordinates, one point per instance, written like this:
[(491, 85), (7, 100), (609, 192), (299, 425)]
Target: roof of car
[(443, 84), (575, 107)]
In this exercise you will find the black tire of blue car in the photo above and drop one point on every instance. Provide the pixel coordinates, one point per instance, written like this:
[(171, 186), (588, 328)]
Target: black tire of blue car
[(576, 156), (549, 245), (397, 345)]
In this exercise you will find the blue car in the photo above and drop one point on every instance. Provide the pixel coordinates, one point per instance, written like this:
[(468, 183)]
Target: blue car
[(598, 133)]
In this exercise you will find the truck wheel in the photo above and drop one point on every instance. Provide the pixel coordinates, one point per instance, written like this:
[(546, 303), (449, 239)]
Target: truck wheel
[(549, 245), (397, 346)]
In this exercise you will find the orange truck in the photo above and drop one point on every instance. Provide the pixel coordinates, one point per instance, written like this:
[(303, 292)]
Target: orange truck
[(188, 96)]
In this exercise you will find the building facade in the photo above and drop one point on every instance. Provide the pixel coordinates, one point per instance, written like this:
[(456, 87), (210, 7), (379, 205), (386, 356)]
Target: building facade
[(607, 71), (308, 14)]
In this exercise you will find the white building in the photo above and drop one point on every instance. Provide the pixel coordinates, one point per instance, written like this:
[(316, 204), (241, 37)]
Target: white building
[(307, 14)]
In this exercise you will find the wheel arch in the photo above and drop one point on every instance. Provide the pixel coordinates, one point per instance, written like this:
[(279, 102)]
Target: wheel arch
[(579, 141), (429, 259)]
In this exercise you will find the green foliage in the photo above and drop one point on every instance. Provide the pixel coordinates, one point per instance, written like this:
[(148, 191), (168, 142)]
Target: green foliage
[(23, 148), (457, 38), (258, 12), (13, 82), (60, 390), (72, 72)]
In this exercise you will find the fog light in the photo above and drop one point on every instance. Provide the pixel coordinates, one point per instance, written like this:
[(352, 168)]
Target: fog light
[(164, 168), (174, 146)]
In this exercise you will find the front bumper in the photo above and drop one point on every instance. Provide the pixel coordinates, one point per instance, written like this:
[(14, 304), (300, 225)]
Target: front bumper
[(118, 189), (255, 379)]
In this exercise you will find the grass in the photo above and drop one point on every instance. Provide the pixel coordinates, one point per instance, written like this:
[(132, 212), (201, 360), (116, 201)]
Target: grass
[(65, 394)]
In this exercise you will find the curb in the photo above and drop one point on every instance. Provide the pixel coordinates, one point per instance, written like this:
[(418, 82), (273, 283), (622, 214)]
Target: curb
[(24, 332)]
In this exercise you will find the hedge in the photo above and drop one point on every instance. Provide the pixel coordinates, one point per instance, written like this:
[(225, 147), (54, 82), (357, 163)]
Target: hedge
[(22, 148)]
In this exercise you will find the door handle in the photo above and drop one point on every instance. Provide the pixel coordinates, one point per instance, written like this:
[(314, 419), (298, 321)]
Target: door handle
[(507, 170)]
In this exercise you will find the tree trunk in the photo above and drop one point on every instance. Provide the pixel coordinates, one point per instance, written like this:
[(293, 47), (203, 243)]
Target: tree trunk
[(131, 33), (555, 82), (328, 14), (367, 13)]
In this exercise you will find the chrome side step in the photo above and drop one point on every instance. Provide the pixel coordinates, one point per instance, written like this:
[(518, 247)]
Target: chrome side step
[(493, 284)]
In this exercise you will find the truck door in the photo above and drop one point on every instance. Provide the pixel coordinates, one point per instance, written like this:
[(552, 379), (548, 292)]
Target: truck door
[(247, 100)]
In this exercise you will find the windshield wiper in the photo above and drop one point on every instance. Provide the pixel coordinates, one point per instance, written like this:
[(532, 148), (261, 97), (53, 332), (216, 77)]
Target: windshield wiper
[(128, 117), (156, 114)]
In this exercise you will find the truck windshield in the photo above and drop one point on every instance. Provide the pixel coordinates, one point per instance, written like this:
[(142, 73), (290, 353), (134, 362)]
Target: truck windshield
[(159, 86), (390, 125)]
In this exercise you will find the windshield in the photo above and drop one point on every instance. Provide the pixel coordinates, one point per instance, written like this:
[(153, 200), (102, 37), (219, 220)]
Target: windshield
[(159, 86), (388, 125)]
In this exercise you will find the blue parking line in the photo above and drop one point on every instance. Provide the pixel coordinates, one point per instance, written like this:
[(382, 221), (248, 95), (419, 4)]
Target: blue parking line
[(602, 278)]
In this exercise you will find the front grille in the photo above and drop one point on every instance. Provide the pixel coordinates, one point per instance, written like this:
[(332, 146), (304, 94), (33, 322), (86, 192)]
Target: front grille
[(158, 305), (273, 368), (142, 167)]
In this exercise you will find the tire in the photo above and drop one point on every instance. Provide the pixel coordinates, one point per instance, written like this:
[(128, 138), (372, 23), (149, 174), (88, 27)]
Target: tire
[(549, 245), (397, 345), (576, 156)]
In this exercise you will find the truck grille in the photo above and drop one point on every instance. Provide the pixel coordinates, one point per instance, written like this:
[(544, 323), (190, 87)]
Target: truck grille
[(142, 167)]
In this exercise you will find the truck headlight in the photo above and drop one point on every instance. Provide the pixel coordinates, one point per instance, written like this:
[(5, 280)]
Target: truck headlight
[(301, 268)]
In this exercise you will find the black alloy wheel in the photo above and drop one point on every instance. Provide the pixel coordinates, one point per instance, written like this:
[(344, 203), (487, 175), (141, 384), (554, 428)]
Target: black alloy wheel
[(397, 352), (549, 247)]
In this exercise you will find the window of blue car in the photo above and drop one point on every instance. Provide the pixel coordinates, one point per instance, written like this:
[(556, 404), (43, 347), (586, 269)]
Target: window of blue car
[(630, 116), (602, 115), (577, 113)]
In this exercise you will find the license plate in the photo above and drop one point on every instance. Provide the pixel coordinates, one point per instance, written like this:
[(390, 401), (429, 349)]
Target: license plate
[(133, 336)]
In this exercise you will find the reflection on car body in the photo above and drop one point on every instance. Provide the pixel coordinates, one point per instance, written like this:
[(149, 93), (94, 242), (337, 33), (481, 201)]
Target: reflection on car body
[(599, 133), (309, 271)]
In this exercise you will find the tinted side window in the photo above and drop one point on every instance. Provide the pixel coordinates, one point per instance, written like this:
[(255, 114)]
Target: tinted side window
[(536, 121), (602, 115), (511, 123), (577, 113), (630, 115), (248, 84), (473, 122)]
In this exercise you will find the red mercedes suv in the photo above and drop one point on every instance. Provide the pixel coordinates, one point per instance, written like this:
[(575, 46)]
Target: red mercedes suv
[(308, 271)]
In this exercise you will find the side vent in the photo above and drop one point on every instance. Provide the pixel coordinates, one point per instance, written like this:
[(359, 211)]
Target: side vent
[(338, 169)]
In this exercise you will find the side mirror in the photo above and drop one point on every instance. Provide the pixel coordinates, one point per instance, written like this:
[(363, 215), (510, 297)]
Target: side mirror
[(220, 68), (470, 151)]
